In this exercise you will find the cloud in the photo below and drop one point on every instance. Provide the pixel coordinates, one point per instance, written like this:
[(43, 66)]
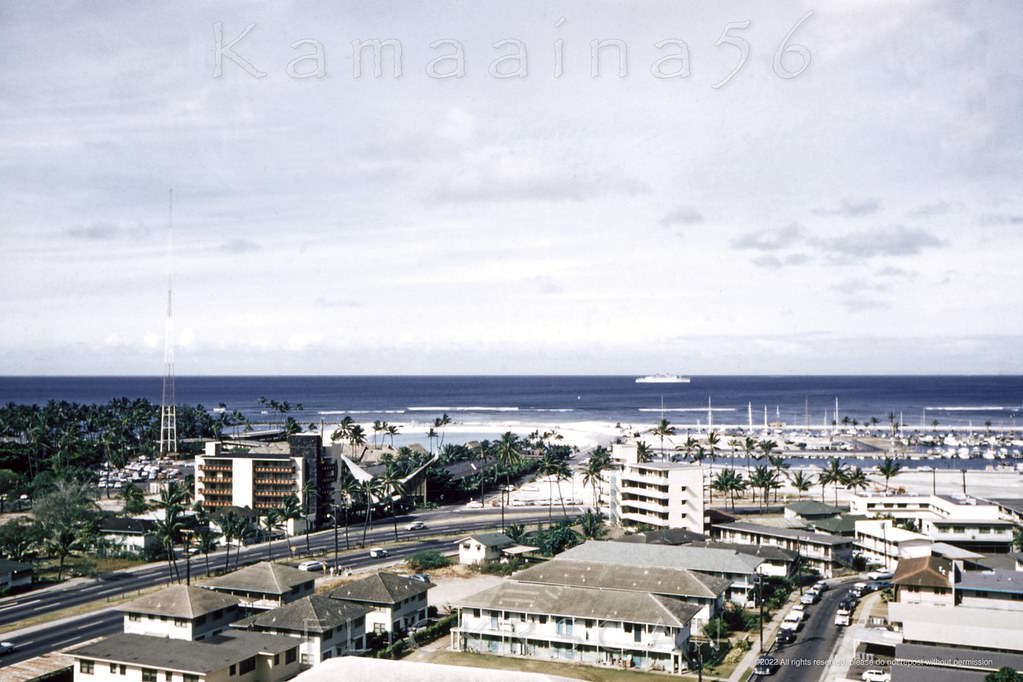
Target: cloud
[(507, 178), (240, 246), (770, 240), (895, 240), (936, 208), (105, 231), (892, 271), (770, 260), (851, 209), (856, 305), (686, 215), (336, 303), (1001, 219)]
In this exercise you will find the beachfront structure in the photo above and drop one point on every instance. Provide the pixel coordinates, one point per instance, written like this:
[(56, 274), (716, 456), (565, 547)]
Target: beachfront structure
[(659, 494), (262, 476), (265, 585), (396, 603), (820, 551), (699, 589), (483, 547), (181, 612), (740, 569), (925, 580), (325, 627), (236, 656), (620, 628), (880, 541)]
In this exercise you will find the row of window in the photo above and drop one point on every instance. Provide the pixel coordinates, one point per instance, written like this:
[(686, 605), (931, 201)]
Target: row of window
[(87, 667)]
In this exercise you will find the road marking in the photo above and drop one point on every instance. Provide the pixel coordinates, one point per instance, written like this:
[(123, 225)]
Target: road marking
[(21, 604)]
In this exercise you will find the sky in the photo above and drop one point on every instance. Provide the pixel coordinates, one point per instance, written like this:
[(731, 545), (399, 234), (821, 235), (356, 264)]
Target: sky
[(817, 188)]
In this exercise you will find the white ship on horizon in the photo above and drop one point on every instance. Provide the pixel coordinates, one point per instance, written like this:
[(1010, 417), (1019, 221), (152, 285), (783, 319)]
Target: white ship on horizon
[(662, 379)]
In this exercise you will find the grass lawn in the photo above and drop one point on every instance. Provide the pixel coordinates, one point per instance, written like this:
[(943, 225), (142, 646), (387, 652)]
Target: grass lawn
[(579, 672)]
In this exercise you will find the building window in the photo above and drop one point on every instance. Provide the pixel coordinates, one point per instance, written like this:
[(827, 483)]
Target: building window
[(247, 666), (188, 677), (277, 659), (134, 617), (290, 655), (148, 675), (169, 676), (233, 670), (86, 667)]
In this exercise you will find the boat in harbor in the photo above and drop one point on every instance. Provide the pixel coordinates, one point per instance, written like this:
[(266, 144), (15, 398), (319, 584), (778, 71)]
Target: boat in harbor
[(662, 379)]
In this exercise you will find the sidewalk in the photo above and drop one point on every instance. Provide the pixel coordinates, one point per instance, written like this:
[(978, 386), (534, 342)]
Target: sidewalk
[(749, 659), (845, 648)]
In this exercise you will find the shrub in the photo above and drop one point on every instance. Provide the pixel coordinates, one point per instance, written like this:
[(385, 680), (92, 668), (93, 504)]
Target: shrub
[(428, 560), (498, 568)]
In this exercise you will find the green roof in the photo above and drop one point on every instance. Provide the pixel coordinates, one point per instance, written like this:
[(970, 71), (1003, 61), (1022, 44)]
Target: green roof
[(381, 588), (490, 539)]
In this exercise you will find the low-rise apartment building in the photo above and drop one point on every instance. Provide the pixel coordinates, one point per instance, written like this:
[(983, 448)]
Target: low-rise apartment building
[(325, 627), (234, 657), (925, 580), (265, 585), (181, 612), (881, 541), (707, 592), (819, 551), (576, 625), (660, 494), (396, 603), (957, 520)]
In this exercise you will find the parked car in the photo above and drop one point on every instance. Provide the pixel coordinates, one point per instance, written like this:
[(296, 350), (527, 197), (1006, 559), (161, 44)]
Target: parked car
[(785, 637), (311, 566), (474, 504), (875, 675), (793, 621), (377, 552), (847, 605), (766, 665), (420, 577), (883, 574), (416, 525), (820, 586), (809, 597)]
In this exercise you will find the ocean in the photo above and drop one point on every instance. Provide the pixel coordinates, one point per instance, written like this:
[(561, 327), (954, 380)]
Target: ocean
[(917, 400)]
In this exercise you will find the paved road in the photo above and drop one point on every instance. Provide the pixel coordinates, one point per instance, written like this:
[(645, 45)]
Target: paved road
[(806, 659), (79, 629)]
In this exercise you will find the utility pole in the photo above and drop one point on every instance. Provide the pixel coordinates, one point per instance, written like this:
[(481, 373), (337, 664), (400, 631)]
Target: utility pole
[(336, 566), (760, 598)]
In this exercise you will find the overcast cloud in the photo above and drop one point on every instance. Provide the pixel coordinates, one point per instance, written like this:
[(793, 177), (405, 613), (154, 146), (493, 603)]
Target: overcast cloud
[(511, 218)]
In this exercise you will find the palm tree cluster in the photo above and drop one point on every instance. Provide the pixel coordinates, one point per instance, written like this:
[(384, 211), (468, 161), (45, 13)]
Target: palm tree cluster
[(352, 433), (385, 430), (593, 472)]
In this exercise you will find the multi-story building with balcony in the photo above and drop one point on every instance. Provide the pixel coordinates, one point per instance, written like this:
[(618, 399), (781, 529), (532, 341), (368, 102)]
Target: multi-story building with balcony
[(661, 494), (882, 542), (619, 628), (819, 551)]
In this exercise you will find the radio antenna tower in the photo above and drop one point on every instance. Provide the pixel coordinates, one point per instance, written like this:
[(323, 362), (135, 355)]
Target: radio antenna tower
[(168, 409)]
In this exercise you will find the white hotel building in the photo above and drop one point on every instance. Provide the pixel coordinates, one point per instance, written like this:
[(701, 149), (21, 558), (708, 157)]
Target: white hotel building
[(661, 494)]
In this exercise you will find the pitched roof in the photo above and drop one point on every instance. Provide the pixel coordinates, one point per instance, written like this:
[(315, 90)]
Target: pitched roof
[(264, 577), (925, 571), (315, 613), (704, 559), (581, 602), (664, 536), (844, 524), (180, 601), (215, 653), (1008, 582), (381, 588), (128, 526), (813, 507), (7, 566), (767, 552), (490, 539), (670, 581), (787, 533)]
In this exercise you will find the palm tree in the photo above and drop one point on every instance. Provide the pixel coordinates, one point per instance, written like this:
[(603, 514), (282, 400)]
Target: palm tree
[(801, 482), (348, 490), (432, 434), (591, 523), (763, 479), (291, 510), (749, 446), (229, 525), (356, 437), (593, 474), (378, 426), (391, 487), (663, 428), (134, 499), (643, 452), (779, 463), (834, 474), (481, 453), (508, 457), (440, 423), (728, 482), (308, 492), (689, 446), (371, 493), (855, 479), (889, 468), (392, 431), (554, 469), (167, 531), (206, 543), (271, 521), (516, 532), (342, 430)]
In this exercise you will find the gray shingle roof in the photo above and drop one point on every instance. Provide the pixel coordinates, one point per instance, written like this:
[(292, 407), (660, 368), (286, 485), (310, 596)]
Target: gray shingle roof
[(767, 552), (704, 559), (1009, 582), (381, 588), (812, 507), (180, 601), (315, 613), (264, 578), (787, 533), (669, 581), (580, 602), (184, 655), (490, 539)]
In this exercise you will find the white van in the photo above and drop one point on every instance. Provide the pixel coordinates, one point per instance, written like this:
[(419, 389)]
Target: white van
[(377, 552)]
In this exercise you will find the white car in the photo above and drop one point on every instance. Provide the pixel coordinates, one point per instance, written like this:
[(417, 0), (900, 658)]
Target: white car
[(876, 675), (474, 504), (793, 621), (808, 598), (377, 552), (311, 566), (416, 525), (881, 575)]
